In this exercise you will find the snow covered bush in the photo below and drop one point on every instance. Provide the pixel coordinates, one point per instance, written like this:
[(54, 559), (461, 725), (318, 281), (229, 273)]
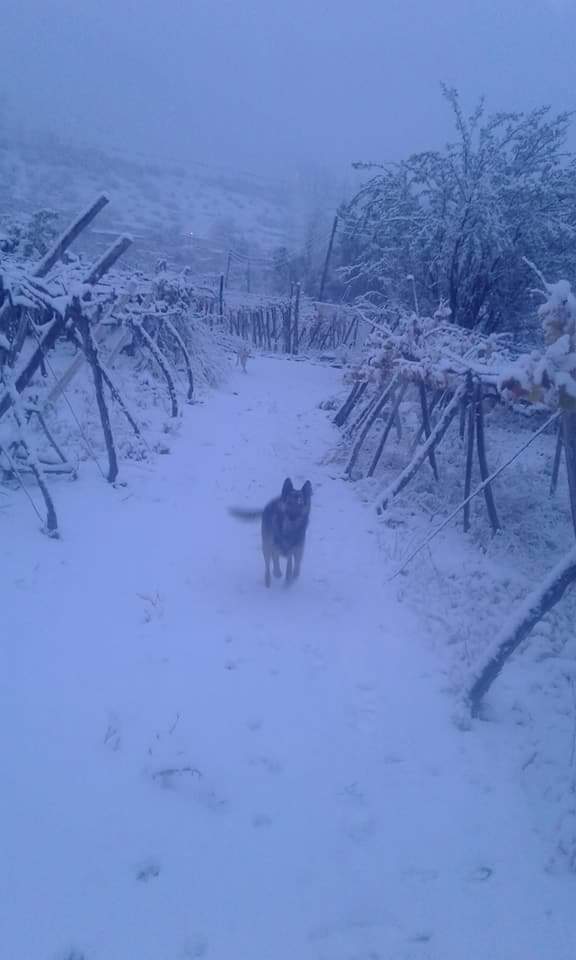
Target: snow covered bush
[(549, 376), (28, 238), (457, 223)]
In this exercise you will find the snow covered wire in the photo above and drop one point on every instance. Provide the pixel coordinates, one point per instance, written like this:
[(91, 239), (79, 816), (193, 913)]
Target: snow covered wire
[(13, 466), (479, 489)]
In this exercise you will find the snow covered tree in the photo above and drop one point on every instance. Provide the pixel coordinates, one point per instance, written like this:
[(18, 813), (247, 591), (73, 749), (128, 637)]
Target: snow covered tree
[(460, 221)]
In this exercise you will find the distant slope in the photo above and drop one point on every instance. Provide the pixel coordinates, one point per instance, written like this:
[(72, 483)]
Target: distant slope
[(190, 211)]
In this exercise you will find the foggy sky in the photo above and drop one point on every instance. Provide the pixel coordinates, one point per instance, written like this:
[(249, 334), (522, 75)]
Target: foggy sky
[(266, 84)]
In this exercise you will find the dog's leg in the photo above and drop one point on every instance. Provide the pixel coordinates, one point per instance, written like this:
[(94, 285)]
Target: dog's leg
[(276, 561), (298, 554), (267, 557), (289, 569)]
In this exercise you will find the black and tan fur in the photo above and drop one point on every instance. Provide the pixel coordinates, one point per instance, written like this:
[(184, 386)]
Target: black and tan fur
[(284, 524)]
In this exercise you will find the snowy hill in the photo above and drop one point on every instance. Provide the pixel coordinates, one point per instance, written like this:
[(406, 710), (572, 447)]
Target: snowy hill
[(189, 211)]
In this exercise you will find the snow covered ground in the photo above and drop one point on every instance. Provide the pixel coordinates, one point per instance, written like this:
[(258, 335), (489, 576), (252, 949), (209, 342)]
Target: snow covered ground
[(194, 766)]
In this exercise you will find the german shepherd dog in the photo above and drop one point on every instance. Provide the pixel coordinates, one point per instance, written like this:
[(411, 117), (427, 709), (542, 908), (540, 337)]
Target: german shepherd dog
[(284, 524)]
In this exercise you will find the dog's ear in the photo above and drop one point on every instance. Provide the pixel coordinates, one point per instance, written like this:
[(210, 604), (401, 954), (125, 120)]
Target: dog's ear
[(287, 488), (307, 490)]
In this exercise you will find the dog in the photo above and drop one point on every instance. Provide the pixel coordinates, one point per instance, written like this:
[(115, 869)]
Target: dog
[(242, 356), (284, 525)]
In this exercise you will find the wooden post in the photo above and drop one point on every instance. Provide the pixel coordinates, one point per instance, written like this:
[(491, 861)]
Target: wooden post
[(397, 400), (328, 256), (421, 455), (531, 610), (569, 438), (91, 351), (557, 459), (108, 259), (69, 235), (63, 242), (482, 459), (221, 296), (288, 322), (469, 450), (55, 328), (378, 407), (349, 403), (365, 412), (296, 333), (426, 424)]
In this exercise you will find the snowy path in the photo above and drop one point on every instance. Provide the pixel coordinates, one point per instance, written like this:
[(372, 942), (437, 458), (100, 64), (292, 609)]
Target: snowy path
[(326, 807)]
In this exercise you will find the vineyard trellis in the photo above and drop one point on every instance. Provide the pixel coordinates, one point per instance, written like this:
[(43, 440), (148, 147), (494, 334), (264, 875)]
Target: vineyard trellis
[(453, 375), (104, 312)]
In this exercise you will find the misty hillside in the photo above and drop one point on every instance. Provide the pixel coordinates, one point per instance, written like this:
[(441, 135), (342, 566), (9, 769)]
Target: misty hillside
[(193, 212)]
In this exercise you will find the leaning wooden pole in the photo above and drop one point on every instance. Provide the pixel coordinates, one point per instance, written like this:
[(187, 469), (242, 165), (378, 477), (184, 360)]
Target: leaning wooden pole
[(426, 423), (82, 324), (296, 332), (482, 458), (470, 435), (328, 257), (175, 333), (54, 329), (392, 417), (349, 403), (421, 455), (557, 459), (379, 406), (66, 239), (536, 605), (144, 337), (569, 439), (353, 427)]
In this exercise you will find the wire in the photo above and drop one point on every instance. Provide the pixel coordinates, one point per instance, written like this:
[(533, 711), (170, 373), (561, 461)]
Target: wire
[(87, 443), (22, 484)]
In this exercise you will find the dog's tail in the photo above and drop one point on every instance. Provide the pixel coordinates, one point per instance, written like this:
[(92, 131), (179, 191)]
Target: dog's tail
[(242, 514)]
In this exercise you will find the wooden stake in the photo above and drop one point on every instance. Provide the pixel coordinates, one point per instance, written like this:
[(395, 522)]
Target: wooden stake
[(83, 325), (533, 608), (426, 424), (569, 439), (327, 260), (469, 406), (482, 459), (557, 459), (387, 427), (296, 333), (421, 455), (369, 423)]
